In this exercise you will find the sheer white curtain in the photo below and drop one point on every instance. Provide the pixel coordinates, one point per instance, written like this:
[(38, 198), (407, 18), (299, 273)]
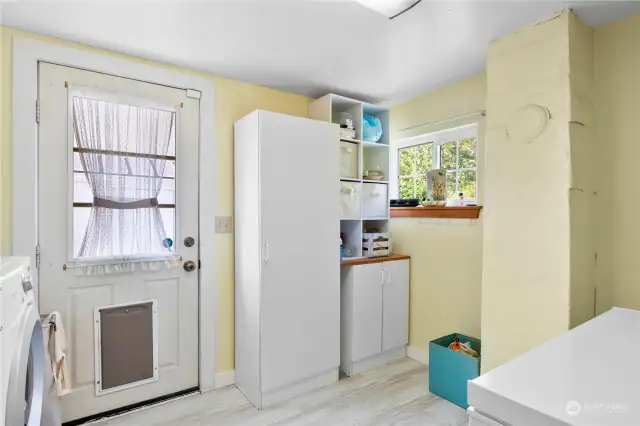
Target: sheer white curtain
[(123, 151)]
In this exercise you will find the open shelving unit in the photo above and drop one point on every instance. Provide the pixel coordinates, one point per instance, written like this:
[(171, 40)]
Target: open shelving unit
[(368, 199)]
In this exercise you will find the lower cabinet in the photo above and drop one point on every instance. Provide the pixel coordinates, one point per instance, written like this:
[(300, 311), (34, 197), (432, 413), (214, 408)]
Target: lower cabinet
[(375, 314), (395, 305)]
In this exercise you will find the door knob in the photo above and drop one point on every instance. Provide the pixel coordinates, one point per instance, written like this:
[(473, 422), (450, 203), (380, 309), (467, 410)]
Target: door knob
[(189, 266), (189, 242)]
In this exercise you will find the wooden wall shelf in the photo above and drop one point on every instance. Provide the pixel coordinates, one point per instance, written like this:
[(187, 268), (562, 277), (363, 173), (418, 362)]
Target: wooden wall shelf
[(467, 212)]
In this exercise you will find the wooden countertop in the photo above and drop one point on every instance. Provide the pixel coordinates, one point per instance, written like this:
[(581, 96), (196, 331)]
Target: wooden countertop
[(367, 260)]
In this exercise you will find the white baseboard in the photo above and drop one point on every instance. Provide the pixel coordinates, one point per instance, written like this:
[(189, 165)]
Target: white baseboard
[(418, 354), (226, 378)]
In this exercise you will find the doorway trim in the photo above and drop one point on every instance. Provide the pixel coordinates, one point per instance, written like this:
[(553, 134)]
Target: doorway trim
[(27, 53)]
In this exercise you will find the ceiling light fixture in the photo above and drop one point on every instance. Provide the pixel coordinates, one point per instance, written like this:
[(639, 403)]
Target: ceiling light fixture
[(390, 8)]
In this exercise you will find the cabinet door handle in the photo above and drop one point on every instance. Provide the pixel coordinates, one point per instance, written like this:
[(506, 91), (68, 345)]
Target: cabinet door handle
[(266, 253), (388, 276)]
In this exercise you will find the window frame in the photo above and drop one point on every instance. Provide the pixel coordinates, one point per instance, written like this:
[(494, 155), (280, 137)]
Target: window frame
[(438, 139)]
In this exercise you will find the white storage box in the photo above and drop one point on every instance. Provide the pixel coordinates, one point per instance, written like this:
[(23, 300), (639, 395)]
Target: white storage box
[(374, 245), (348, 160), (347, 133), (375, 203), (350, 200)]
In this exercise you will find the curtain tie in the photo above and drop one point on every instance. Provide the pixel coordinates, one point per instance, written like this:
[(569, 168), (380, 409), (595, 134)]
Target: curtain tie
[(125, 205)]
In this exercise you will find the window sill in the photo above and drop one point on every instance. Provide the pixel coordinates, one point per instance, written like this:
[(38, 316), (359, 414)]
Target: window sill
[(470, 212)]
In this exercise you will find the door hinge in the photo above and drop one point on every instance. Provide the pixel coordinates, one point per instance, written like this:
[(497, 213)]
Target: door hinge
[(199, 264), (37, 111), (38, 256)]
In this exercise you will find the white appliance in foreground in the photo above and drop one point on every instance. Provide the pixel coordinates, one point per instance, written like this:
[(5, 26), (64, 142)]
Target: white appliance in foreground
[(23, 393), (588, 376), (287, 256)]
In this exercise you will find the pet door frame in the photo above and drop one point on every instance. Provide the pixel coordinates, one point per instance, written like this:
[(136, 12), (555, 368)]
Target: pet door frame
[(97, 333)]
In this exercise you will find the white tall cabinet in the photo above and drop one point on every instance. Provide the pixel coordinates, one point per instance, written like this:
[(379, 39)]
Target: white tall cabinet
[(287, 274)]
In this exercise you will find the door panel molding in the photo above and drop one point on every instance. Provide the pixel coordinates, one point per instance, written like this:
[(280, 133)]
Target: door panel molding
[(27, 53)]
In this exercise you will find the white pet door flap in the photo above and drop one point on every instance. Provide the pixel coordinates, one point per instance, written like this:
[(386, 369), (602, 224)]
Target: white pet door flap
[(126, 346)]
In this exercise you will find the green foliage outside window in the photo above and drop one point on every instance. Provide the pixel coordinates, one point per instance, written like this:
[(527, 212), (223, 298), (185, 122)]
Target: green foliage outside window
[(457, 157)]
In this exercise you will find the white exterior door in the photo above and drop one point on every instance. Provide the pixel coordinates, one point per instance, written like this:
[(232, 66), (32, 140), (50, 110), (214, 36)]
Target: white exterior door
[(395, 314), (300, 290), (367, 310), (114, 210)]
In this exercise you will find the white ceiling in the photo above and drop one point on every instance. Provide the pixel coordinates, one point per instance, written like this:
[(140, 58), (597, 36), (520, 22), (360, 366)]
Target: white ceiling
[(304, 46)]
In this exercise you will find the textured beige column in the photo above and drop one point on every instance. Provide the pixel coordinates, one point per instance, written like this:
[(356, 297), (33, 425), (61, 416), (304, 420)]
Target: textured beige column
[(530, 270)]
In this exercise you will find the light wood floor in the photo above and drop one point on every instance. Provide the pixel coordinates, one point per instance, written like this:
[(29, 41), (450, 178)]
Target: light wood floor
[(394, 394)]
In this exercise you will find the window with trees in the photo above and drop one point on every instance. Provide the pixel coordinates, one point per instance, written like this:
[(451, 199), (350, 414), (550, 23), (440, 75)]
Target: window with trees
[(453, 150)]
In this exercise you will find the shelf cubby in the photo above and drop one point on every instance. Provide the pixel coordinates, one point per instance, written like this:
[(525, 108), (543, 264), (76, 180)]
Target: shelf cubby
[(359, 213), (352, 232), (381, 225), (340, 104), (350, 160), (383, 115), (375, 159)]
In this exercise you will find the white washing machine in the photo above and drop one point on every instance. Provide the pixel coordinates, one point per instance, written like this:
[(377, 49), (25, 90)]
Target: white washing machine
[(588, 376), (22, 358)]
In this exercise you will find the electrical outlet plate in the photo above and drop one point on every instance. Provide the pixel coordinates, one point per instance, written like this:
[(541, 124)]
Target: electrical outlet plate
[(223, 224)]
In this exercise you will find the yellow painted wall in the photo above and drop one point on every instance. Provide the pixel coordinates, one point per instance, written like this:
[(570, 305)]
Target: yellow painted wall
[(446, 255), (234, 99), (617, 77), (526, 232)]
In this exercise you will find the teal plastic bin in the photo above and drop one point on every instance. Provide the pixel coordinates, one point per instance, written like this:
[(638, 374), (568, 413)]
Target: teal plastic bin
[(449, 370)]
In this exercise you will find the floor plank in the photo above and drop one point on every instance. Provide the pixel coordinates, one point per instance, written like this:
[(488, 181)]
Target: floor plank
[(394, 394)]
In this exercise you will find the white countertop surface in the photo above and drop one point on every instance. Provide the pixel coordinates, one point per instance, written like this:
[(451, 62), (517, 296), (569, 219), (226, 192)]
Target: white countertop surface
[(588, 376)]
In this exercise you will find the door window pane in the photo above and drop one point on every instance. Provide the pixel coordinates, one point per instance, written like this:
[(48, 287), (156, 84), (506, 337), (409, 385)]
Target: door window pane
[(81, 189), (168, 220), (170, 169), (123, 179), (81, 216), (167, 194)]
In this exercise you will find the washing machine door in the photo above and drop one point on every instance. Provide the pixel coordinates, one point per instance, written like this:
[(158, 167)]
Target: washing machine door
[(25, 392)]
